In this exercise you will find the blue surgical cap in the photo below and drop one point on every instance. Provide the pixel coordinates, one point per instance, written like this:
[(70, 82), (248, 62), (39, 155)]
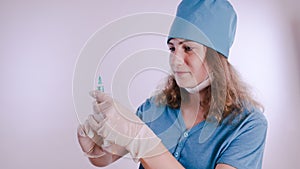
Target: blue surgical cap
[(208, 22)]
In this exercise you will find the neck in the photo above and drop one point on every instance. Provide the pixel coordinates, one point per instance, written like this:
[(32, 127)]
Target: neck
[(191, 98), (191, 110)]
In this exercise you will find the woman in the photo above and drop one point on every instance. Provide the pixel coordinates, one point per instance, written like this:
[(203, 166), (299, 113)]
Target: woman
[(203, 118)]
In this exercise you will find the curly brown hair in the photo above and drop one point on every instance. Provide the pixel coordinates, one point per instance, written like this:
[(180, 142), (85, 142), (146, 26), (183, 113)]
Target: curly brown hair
[(227, 94)]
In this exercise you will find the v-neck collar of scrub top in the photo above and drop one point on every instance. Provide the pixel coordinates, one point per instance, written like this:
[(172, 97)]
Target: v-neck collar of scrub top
[(182, 124)]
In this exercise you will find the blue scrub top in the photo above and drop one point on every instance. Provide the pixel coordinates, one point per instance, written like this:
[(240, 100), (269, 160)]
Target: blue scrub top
[(239, 144)]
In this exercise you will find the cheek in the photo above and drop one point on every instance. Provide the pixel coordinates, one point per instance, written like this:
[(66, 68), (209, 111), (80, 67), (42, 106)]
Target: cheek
[(199, 71), (203, 72), (194, 63), (175, 62)]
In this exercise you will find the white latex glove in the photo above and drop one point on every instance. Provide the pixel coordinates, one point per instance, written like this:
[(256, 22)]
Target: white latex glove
[(124, 128), (88, 142), (92, 145)]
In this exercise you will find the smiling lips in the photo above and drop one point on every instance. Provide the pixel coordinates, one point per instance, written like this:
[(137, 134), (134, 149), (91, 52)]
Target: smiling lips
[(180, 73)]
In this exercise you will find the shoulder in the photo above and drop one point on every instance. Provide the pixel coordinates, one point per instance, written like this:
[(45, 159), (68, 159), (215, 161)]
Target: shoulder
[(150, 109), (245, 144), (254, 117), (248, 115), (148, 104), (250, 123)]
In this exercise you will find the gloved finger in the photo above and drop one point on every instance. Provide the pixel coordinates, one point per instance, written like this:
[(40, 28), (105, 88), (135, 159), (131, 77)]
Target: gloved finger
[(99, 142), (100, 96), (80, 131), (101, 108), (91, 133), (96, 109), (104, 130), (82, 135), (93, 123), (99, 117), (93, 93), (88, 130)]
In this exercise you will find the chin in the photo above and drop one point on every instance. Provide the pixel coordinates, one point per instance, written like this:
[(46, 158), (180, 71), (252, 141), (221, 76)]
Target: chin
[(184, 84)]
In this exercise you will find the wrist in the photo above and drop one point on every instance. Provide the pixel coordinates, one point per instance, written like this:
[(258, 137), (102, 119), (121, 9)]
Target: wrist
[(145, 144)]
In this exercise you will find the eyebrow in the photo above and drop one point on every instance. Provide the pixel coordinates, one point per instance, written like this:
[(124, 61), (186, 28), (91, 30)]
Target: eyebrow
[(181, 42)]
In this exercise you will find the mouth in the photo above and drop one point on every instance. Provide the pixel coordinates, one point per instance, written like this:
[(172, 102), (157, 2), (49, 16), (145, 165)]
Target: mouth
[(180, 73)]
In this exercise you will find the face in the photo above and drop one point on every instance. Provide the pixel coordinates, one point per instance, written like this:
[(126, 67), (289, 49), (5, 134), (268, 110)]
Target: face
[(187, 62)]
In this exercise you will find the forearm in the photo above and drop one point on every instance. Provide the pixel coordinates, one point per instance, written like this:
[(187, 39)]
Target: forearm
[(163, 160)]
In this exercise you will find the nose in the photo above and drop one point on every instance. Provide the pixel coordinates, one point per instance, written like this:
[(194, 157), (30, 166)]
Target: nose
[(177, 57)]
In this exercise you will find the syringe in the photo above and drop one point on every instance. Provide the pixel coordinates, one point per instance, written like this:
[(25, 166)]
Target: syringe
[(99, 116), (100, 87)]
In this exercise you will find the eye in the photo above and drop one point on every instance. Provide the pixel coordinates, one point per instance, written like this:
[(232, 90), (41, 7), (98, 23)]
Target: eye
[(187, 48), (172, 49)]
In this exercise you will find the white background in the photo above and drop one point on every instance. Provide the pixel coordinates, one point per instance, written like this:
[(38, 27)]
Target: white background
[(39, 44)]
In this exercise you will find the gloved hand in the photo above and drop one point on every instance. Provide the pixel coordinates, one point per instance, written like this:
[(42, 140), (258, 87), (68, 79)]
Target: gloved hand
[(124, 128), (88, 141)]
